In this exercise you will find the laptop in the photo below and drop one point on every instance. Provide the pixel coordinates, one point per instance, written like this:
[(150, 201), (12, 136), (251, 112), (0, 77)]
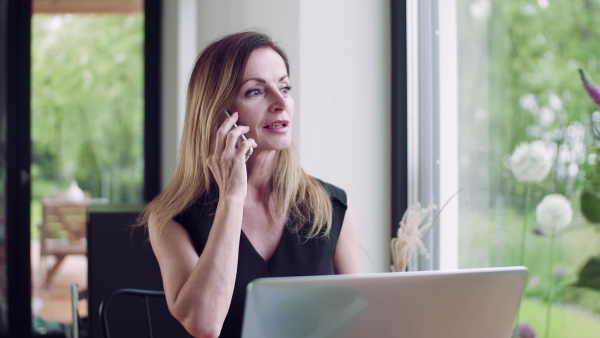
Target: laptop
[(423, 304)]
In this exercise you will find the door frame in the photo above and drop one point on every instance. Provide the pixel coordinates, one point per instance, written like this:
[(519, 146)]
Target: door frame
[(18, 162), (18, 145)]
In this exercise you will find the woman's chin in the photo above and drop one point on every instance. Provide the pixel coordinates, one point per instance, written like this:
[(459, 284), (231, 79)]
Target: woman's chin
[(272, 148), (276, 145)]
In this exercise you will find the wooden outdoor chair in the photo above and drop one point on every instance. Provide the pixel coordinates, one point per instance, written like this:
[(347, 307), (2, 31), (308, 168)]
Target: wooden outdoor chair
[(63, 231)]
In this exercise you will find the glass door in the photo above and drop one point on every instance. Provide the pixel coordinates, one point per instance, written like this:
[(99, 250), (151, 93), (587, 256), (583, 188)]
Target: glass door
[(18, 147), (87, 131)]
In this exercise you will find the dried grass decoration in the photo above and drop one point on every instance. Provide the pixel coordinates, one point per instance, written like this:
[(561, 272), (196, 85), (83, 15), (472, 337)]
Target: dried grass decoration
[(408, 243)]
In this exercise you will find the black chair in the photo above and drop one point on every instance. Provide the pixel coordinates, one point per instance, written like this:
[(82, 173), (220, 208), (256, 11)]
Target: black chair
[(120, 257), (143, 294)]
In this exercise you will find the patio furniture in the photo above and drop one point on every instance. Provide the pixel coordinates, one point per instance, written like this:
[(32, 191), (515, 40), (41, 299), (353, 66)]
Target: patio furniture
[(63, 230)]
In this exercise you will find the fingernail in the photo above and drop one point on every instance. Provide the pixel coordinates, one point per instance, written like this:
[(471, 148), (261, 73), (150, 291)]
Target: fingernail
[(234, 114)]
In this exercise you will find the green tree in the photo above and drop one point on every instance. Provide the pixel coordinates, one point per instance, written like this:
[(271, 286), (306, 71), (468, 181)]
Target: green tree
[(87, 101)]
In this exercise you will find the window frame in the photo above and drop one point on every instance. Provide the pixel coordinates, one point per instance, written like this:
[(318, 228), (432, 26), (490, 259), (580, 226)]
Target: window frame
[(430, 161)]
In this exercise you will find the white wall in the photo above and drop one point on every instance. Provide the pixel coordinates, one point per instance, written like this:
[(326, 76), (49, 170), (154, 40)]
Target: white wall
[(170, 91), (339, 53), (179, 51), (345, 118)]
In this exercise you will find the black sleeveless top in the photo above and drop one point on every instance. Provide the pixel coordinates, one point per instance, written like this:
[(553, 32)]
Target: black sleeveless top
[(294, 255)]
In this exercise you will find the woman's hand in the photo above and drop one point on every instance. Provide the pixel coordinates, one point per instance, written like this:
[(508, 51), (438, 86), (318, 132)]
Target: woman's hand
[(228, 164)]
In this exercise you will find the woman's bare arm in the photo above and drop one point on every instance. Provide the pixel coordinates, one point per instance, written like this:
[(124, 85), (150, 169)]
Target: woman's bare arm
[(346, 258), (199, 289)]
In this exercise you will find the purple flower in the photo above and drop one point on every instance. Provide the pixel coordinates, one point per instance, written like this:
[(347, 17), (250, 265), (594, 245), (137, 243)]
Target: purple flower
[(559, 273), (592, 88), (538, 232), (526, 331)]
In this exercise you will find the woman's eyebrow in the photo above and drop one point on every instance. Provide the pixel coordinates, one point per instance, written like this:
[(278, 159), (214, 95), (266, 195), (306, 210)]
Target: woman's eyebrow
[(261, 80)]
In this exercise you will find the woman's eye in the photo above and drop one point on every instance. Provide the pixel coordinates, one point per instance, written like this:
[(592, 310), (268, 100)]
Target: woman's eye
[(253, 92), (286, 89)]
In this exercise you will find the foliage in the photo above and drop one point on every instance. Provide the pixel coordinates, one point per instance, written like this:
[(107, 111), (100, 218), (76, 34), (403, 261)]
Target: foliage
[(589, 275), (519, 62), (590, 206), (590, 196), (87, 101), (568, 321), (536, 52)]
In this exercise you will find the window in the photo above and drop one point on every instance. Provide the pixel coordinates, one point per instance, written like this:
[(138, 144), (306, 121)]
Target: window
[(489, 76)]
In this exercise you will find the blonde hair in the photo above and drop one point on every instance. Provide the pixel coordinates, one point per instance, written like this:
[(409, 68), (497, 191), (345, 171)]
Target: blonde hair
[(212, 88)]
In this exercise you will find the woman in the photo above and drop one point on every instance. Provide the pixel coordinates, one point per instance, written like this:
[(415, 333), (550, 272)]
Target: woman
[(224, 221)]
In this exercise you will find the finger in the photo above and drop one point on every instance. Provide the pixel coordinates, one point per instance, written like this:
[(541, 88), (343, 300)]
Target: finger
[(245, 147), (232, 139), (223, 131)]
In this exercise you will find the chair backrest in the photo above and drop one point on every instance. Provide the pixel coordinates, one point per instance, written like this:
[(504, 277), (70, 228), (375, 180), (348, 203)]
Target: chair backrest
[(119, 257), (63, 229), (107, 305)]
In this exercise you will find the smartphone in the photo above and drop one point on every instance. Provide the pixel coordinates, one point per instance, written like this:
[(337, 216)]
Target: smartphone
[(242, 138)]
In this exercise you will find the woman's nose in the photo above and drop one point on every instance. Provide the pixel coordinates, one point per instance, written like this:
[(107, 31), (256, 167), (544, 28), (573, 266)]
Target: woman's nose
[(279, 102)]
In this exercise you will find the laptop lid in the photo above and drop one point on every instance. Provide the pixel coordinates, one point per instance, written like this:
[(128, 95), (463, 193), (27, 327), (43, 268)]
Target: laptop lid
[(459, 303)]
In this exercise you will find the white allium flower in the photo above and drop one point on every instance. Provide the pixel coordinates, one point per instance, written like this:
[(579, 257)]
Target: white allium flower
[(547, 116), (555, 101), (531, 162), (554, 211), (481, 9), (529, 102)]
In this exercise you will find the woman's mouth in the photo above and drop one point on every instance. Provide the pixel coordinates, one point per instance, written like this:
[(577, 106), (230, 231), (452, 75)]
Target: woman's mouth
[(277, 125)]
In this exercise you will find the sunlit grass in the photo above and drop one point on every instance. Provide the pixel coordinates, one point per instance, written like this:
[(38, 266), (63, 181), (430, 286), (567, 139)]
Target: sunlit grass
[(567, 322), (492, 238)]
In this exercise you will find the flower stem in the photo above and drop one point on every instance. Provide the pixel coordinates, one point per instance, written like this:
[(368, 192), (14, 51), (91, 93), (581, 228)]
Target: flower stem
[(523, 238), (524, 230), (551, 278)]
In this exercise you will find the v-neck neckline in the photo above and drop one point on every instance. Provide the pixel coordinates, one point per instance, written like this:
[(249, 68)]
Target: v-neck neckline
[(253, 249)]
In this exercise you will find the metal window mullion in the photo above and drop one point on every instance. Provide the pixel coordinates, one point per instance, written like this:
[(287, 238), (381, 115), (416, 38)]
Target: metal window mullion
[(428, 122), (412, 32), (414, 105)]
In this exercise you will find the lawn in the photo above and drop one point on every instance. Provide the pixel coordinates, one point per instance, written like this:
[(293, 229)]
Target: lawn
[(493, 238), (567, 322)]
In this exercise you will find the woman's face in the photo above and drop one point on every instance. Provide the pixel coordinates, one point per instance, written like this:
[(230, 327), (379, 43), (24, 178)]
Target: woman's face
[(263, 100)]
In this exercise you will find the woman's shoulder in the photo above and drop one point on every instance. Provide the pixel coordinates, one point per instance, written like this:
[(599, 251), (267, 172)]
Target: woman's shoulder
[(336, 193)]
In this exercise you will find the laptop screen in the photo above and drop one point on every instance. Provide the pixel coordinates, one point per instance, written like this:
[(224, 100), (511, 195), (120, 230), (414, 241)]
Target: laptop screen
[(458, 303)]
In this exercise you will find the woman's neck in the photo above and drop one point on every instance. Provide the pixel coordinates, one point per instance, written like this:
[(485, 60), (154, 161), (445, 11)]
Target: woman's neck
[(260, 168)]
